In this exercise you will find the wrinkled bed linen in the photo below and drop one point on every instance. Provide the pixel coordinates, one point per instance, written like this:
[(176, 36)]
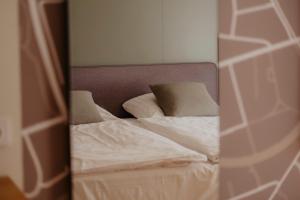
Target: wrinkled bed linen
[(200, 134), (197, 181), (117, 145)]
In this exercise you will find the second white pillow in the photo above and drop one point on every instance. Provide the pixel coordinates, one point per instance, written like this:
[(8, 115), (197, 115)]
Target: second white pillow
[(144, 106)]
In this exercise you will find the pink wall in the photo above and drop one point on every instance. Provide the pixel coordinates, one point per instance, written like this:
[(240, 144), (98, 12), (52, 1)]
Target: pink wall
[(260, 99), (45, 129)]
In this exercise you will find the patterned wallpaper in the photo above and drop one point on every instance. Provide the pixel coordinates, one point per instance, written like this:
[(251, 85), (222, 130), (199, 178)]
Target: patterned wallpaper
[(260, 99), (43, 67)]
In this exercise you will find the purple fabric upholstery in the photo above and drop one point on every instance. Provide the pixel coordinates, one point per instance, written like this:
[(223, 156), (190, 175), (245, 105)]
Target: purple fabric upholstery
[(113, 85)]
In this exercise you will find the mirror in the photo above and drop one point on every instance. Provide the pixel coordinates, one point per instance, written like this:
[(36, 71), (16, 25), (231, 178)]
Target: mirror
[(144, 99)]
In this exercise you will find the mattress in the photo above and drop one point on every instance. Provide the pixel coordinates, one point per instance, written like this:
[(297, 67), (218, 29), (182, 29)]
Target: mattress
[(193, 179), (197, 181)]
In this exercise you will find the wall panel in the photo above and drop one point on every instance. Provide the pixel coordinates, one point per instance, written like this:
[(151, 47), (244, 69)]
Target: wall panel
[(142, 31)]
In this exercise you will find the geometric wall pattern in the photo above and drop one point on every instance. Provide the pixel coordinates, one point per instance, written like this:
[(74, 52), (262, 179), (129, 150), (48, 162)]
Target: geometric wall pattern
[(44, 126), (259, 49)]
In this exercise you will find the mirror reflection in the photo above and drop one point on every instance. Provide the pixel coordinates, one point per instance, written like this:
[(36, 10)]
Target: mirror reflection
[(144, 99)]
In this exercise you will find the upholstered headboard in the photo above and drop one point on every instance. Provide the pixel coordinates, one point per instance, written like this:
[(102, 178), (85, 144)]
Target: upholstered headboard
[(113, 85)]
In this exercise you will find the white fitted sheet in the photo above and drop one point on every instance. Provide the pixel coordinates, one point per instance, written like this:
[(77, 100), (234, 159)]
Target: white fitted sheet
[(197, 181)]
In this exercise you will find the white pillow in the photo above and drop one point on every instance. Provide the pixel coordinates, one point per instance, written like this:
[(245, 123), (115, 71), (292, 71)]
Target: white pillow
[(105, 115), (144, 106)]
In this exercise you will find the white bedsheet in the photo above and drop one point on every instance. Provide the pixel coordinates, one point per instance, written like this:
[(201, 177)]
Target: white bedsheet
[(200, 134), (197, 181), (117, 145)]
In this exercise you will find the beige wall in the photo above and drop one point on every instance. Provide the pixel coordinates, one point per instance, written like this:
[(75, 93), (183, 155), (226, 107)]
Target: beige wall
[(142, 31), (10, 156)]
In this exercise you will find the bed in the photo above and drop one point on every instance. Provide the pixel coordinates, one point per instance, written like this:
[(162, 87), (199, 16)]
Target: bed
[(111, 86)]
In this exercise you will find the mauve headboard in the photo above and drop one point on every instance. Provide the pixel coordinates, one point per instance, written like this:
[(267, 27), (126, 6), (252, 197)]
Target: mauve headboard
[(113, 85)]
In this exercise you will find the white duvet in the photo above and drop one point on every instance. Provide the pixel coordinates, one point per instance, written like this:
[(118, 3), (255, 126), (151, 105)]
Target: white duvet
[(117, 145), (200, 134)]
